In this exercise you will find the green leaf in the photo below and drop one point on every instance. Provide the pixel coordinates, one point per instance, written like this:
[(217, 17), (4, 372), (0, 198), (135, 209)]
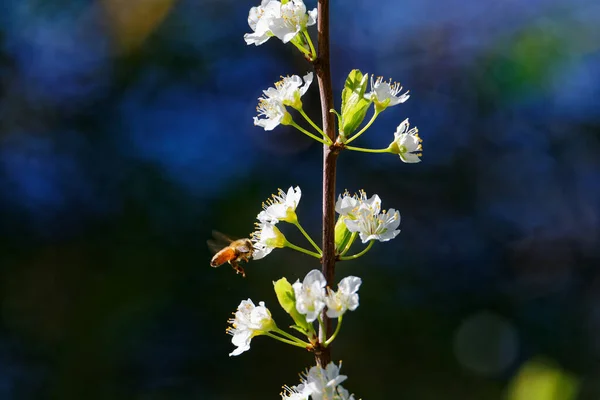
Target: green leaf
[(354, 104), (287, 300)]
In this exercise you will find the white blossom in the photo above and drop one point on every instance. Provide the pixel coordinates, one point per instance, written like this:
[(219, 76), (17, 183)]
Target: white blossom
[(386, 94), (281, 207), (346, 297), (266, 238), (293, 19), (324, 383), (310, 295), (274, 112), (344, 394), (350, 206), (365, 217), (299, 392), (380, 226), (284, 21), (249, 321), (289, 89), (260, 18), (319, 384), (407, 143)]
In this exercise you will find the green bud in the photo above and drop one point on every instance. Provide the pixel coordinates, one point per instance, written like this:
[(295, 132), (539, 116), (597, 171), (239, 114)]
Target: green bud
[(287, 300), (342, 234), (354, 104)]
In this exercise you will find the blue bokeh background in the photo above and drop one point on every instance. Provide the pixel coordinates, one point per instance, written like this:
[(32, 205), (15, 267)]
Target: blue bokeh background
[(126, 136)]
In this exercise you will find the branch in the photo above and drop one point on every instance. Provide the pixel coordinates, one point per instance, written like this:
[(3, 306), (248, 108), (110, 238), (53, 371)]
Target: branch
[(330, 153)]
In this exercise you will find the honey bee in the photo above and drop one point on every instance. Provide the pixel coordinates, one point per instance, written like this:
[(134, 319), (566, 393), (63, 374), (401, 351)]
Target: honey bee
[(230, 251)]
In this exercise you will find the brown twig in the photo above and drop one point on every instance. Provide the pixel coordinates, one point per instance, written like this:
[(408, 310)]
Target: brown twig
[(330, 153)]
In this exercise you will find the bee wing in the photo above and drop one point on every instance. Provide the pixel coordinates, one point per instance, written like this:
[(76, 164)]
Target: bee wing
[(215, 246), (220, 237)]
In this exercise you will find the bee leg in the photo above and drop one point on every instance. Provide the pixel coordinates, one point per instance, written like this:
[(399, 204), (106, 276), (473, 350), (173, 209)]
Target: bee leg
[(238, 269)]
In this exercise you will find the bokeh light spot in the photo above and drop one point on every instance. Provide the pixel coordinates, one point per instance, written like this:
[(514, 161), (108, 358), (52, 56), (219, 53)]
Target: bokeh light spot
[(486, 343)]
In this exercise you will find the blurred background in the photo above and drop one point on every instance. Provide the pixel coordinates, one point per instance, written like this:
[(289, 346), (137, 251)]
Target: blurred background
[(126, 136)]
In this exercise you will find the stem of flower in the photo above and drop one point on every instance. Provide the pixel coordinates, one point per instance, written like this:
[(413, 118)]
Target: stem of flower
[(286, 340), (330, 154), (291, 337), (310, 43), (359, 254), (301, 250), (310, 121), (303, 49), (375, 114), (321, 324), (307, 236), (337, 330), (386, 150), (307, 133), (349, 244)]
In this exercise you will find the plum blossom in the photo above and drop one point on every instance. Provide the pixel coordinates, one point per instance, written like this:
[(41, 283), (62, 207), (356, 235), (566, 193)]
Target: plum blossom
[(310, 294), (249, 321), (281, 207), (364, 216), (345, 298), (273, 111), (265, 239), (289, 89), (385, 94), (407, 143), (319, 384), (284, 21)]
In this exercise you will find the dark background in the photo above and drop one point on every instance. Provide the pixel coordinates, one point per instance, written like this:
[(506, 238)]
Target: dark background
[(126, 136)]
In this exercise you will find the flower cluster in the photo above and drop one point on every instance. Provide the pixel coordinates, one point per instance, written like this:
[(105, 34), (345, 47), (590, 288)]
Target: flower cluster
[(355, 102), (311, 303), (364, 216), (303, 301), (312, 297), (319, 384)]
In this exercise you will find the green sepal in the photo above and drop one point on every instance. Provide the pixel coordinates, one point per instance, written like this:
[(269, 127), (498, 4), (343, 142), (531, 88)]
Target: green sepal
[(354, 104), (287, 300), (342, 234), (299, 329)]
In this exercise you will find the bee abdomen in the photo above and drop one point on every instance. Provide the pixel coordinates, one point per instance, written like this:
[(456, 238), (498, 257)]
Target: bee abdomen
[(227, 254)]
